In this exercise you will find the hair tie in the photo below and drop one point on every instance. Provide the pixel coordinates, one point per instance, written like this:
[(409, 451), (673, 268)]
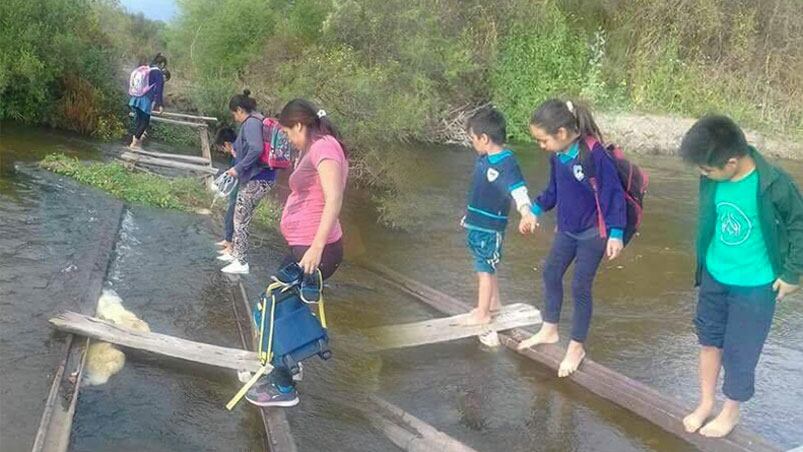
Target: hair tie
[(570, 106), (321, 114)]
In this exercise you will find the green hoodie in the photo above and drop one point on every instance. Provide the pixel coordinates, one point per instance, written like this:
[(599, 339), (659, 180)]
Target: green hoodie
[(780, 213)]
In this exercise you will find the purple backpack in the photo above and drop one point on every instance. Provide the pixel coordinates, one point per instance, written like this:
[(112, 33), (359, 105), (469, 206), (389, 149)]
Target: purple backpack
[(634, 182)]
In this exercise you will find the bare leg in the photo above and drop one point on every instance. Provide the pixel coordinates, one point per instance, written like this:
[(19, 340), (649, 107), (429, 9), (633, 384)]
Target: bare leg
[(496, 303), (548, 334), (571, 361), (482, 314), (725, 421), (710, 363)]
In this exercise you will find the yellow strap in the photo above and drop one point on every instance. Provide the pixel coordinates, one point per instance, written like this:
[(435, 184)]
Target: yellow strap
[(241, 393), (264, 355), (272, 322)]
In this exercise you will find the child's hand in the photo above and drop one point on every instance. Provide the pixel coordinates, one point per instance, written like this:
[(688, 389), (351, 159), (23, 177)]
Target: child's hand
[(784, 288), (615, 247), (528, 223)]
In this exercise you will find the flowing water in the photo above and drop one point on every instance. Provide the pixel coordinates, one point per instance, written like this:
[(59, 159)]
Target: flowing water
[(164, 270)]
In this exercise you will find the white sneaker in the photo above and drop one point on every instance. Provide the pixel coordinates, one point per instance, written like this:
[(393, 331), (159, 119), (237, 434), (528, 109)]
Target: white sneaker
[(236, 268), (490, 339), (225, 257)]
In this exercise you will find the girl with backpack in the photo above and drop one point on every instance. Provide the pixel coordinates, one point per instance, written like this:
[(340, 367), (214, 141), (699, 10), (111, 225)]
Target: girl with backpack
[(146, 87), (585, 187), (254, 179), (310, 221)]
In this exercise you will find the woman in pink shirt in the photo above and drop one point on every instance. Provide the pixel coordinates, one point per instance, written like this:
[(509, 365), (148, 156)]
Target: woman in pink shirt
[(310, 219)]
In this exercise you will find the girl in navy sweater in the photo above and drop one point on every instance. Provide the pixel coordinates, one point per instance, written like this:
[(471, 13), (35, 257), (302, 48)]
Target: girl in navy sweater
[(589, 226)]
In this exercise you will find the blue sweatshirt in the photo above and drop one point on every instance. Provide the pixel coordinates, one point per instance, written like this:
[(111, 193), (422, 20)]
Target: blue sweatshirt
[(570, 190), (249, 147)]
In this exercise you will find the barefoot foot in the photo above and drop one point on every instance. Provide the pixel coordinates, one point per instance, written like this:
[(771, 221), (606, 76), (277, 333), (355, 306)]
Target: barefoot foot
[(696, 419), (725, 421), (574, 356), (547, 335), (476, 318)]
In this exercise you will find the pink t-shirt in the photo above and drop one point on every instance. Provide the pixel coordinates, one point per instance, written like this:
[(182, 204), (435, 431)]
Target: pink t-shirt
[(304, 207)]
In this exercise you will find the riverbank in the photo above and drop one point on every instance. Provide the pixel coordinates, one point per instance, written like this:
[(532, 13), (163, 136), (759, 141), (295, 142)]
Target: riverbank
[(652, 134)]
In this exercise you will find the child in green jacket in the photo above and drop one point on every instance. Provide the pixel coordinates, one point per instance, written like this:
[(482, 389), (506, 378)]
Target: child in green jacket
[(749, 256)]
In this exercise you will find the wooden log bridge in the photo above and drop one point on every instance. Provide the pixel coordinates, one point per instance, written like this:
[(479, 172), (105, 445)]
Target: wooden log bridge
[(55, 426), (202, 164), (644, 401), (213, 355), (451, 328)]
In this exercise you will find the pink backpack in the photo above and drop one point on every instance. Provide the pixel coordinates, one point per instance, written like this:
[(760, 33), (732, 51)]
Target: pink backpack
[(276, 152), (138, 82)]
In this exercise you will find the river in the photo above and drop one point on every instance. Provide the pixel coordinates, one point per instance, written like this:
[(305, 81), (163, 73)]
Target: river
[(164, 269)]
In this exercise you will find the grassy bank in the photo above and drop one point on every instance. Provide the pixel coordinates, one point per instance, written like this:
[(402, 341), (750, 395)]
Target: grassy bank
[(184, 194)]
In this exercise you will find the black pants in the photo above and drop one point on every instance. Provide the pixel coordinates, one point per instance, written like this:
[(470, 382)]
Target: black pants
[(141, 122), (330, 260)]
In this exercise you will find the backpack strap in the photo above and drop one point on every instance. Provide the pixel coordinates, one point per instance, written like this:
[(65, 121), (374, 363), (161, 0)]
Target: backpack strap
[(590, 169)]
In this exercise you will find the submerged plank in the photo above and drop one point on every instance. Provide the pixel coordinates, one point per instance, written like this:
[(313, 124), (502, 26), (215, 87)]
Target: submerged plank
[(279, 438), (55, 425), (162, 344), (410, 433), (661, 410), (451, 328), (131, 157)]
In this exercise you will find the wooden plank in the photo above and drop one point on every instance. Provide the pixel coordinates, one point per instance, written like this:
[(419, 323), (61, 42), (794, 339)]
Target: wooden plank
[(410, 433), (279, 438), (171, 114), (129, 156), (451, 328), (157, 118), (55, 426), (164, 155), (206, 152), (162, 344), (663, 411)]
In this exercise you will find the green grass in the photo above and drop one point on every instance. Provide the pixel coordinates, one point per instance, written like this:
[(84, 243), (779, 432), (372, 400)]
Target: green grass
[(185, 194)]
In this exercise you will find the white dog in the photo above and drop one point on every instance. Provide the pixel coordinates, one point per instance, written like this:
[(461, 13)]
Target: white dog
[(103, 359)]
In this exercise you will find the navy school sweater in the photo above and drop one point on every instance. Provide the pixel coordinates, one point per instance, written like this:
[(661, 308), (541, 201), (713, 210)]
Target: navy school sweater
[(495, 176), (570, 191)]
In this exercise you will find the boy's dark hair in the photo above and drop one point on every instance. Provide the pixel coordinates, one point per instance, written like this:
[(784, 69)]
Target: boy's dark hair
[(555, 113), (712, 141), (225, 135), (317, 122), (243, 101), (488, 121), (159, 60)]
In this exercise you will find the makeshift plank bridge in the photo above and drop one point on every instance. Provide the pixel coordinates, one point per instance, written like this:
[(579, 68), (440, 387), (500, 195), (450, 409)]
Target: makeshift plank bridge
[(146, 160)]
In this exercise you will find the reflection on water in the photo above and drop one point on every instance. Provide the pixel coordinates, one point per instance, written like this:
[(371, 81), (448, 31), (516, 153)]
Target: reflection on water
[(492, 400)]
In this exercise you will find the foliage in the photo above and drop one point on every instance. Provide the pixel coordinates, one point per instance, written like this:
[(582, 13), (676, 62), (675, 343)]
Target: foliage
[(60, 64)]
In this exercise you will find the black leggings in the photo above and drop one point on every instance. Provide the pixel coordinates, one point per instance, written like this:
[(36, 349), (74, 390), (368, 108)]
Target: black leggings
[(141, 124), (330, 260)]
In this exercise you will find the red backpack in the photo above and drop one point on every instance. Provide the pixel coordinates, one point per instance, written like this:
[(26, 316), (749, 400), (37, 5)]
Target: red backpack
[(634, 181), (276, 151)]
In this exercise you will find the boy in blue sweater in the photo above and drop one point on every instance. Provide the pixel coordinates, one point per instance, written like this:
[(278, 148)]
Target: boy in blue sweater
[(589, 226), (496, 181)]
